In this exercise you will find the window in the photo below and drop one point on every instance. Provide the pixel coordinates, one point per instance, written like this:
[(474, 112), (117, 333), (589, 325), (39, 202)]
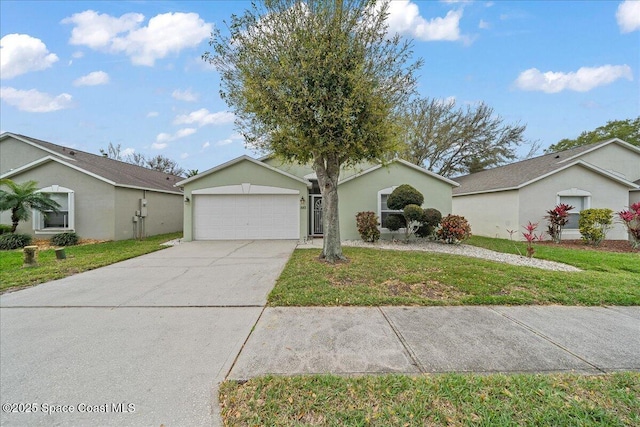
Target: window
[(383, 210), (63, 220), (580, 200)]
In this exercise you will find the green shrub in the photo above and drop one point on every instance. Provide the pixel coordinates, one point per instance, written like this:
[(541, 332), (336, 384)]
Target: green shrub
[(412, 213), (395, 222), (404, 195), (594, 224), (5, 228), (9, 241), (65, 239), (368, 226), (430, 219), (453, 229)]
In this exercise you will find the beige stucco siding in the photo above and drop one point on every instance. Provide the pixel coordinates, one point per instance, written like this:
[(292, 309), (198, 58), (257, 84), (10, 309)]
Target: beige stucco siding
[(94, 199), (164, 212), (540, 196), (634, 197), (361, 194), (617, 159), (490, 214), (14, 154), (244, 171)]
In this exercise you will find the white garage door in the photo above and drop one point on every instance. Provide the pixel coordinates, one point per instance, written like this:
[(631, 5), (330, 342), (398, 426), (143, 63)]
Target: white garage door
[(246, 216)]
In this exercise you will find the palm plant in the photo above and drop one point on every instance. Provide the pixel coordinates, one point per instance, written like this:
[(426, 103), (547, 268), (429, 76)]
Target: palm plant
[(23, 198)]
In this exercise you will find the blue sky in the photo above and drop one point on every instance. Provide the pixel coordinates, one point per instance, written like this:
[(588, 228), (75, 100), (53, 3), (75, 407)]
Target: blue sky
[(88, 73)]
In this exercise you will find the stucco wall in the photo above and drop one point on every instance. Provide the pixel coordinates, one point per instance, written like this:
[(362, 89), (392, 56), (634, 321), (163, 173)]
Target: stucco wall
[(615, 158), (244, 171), (361, 194), (490, 214), (14, 154), (164, 212), (634, 197), (538, 197), (94, 200), (303, 170)]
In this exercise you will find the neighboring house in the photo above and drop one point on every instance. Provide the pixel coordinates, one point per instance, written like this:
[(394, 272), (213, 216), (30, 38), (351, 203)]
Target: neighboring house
[(100, 198), (600, 175), (247, 198)]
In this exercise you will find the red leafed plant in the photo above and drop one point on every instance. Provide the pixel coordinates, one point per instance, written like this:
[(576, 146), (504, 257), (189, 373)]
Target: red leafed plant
[(531, 237), (453, 229), (631, 219), (557, 218)]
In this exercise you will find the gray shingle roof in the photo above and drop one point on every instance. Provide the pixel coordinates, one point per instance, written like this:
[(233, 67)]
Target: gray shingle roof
[(121, 173), (515, 174)]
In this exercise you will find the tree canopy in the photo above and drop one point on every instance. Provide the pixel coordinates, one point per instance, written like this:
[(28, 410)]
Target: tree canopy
[(451, 141), (159, 162), (315, 82), (627, 130)]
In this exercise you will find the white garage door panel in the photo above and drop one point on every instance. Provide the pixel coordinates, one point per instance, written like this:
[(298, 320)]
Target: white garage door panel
[(244, 217)]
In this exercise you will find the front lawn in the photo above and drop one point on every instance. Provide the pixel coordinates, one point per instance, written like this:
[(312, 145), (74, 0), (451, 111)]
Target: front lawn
[(435, 400), (385, 277), (79, 259)]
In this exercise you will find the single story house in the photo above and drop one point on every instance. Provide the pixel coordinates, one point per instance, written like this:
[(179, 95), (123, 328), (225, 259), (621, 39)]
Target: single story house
[(266, 198), (601, 175), (100, 198)]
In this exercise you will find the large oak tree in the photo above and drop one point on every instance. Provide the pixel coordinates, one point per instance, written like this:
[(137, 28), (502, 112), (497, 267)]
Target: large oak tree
[(452, 141), (316, 82), (628, 130)]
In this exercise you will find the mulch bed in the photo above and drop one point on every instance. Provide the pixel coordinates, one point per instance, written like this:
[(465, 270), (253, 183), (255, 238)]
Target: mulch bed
[(607, 245), (44, 244)]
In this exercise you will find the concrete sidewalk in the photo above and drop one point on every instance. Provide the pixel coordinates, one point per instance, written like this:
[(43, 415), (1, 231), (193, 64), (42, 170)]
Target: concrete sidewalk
[(414, 340)]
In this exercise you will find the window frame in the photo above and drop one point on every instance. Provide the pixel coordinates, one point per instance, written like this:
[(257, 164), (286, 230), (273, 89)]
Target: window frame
[(386, 192), (38, 220), (575, 192)]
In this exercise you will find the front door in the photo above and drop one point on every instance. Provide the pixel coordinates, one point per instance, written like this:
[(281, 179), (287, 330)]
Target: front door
[(316, 215)]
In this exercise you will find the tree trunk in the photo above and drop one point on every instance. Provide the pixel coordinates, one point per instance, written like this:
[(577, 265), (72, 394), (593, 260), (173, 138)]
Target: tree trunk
[(328, 173), (14, 220)]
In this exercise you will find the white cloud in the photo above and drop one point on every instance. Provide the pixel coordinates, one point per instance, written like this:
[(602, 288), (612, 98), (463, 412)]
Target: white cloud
[(232, 138), (206, 145), (95, 78), (484, 25), (152, 114), (164, 34), (33, 101), (166, 137), (185, 95), (404, 17), (159, 145), (203, 117), (21, 53), (583, 80), (128, 152), (184, 155), (628, 16), (78, 54)]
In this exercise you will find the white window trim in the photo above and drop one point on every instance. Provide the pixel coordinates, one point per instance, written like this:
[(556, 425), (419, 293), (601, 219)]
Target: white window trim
[(574, 192), (386, 191), (37, 217)]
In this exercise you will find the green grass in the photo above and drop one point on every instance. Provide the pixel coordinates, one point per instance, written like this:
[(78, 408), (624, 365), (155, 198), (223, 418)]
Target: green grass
[(385, 277), (435, 400), (79, 258), (584, 259)]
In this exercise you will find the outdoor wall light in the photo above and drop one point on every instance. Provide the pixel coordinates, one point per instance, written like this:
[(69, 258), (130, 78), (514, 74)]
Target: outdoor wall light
[(187, 200), (303, 203)]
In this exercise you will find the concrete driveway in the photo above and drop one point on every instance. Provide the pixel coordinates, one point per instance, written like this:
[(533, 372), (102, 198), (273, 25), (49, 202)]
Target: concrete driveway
[(141, 342)]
